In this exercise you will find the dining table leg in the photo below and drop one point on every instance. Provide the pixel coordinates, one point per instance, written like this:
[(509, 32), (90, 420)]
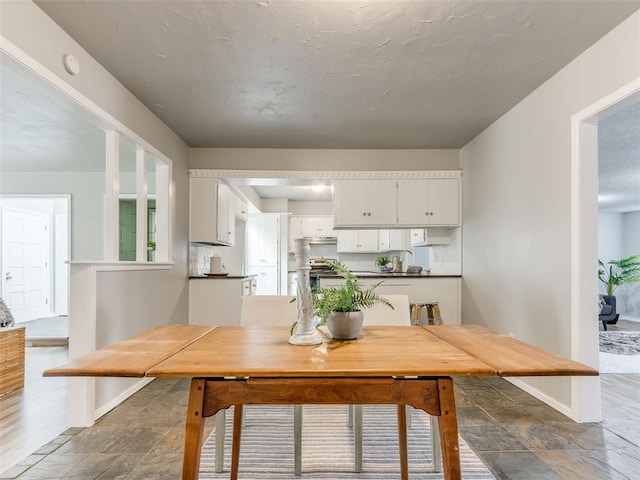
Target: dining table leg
[(237, 439), (194, 430), (402, 442), (448, 427)]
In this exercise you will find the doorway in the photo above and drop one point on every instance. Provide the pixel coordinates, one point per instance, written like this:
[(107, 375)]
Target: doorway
[(35, 248), (586, 392)]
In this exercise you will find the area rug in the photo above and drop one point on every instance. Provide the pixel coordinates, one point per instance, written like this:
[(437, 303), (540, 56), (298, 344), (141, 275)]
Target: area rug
[(327, 446), (620, 343)]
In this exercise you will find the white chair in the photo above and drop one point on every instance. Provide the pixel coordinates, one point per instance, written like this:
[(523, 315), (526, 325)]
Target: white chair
[(261, 310), (382, 315)]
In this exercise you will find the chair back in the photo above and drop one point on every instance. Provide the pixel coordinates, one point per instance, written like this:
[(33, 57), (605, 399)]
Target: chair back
[(268, 310), (380, 314)]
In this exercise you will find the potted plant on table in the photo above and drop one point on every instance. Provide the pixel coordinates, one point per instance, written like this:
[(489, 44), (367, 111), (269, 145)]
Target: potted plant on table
[(382, 262), (619, 272), (340, 307)]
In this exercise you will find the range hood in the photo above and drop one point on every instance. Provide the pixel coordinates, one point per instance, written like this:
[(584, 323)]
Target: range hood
[(322, 240)]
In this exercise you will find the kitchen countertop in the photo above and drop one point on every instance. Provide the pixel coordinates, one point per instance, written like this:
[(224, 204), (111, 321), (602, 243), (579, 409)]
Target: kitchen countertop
[(220, 277), (368, 274)]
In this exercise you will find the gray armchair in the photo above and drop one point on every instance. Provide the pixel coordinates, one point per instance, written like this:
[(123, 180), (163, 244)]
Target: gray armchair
[(608, 313)]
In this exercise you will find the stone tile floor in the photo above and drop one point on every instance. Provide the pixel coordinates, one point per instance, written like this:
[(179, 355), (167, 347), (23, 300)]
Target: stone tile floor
[(517, 436)]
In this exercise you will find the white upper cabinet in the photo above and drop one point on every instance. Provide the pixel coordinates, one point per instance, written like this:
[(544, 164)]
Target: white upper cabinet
[(421, 237), (365, 202), (211, 211), (392, 240), (242, 209), (397, 203), (317, 226), (309, 227), (295, 231), (360, 241), (429, 202)]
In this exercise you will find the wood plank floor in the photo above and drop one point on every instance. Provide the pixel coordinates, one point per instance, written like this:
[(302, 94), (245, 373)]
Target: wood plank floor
[(33, 416), (517, 436)]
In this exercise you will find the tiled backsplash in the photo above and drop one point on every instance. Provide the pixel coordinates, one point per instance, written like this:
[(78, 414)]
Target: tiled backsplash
[(199, 257), (447, 259)]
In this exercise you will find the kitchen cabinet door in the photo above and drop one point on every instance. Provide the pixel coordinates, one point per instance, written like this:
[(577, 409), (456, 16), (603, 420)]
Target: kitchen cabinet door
[(263, 239), (242, 209), (295, 231), (368, 241), (421, 237), (266, 280), (361, 241), (348, 241), (444, 201), (226, 214), (317, 226), (429, 202), (392, 240), (325, 226), (211, 213), (418, 237), (365, 202)]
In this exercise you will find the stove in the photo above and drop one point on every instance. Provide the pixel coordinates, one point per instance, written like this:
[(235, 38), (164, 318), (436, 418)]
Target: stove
[(319, 267), (317, 263)]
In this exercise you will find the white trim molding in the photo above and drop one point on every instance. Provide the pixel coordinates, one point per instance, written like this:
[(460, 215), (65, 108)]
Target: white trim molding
[(332, 175), (585, 391)]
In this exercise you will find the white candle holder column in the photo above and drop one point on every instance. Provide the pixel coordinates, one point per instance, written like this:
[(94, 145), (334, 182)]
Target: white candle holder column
[(305, 332)]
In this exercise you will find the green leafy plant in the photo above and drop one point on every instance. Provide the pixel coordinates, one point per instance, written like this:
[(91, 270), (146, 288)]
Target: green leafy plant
[(619, 272), (382, 261), (348, 297), (151, 244)]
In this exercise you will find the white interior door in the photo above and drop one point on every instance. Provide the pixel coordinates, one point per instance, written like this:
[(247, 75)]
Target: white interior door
[(25, 244)]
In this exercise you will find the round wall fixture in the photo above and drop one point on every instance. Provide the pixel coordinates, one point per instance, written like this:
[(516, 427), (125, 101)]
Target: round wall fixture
[(71, 64)]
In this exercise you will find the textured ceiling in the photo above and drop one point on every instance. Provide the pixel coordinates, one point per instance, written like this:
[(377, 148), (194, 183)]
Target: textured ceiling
[(619, 160), (36, 119), (334, 74)]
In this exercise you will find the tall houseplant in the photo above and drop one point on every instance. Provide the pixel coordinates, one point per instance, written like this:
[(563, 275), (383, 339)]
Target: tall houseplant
[(340, 307), (619, 272)]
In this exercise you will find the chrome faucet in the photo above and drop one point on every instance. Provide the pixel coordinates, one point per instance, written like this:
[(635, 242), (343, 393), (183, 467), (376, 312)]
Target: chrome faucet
[(405, 260)]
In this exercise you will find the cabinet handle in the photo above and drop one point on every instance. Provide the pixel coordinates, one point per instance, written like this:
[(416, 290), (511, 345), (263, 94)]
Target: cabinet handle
[(369, 214), (430, 213), (364, 214)]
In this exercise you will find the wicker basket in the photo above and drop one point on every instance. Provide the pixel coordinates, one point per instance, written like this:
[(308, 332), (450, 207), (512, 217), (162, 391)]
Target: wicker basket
[(11, 359)]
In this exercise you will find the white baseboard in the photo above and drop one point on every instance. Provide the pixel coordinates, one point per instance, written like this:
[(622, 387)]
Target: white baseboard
[(122, 397), (562, 408), (631, 319)]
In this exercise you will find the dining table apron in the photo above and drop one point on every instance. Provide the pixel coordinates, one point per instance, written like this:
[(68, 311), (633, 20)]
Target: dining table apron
[(401, 365)]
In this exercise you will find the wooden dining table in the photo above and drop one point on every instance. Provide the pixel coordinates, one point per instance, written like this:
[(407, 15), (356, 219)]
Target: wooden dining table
[(385, 365)]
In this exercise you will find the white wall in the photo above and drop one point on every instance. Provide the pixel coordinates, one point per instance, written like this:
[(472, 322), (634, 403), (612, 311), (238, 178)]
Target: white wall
[(609, 237), (129, 302), (87, 198), (29, 29), (517, 205), (323, 160)]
